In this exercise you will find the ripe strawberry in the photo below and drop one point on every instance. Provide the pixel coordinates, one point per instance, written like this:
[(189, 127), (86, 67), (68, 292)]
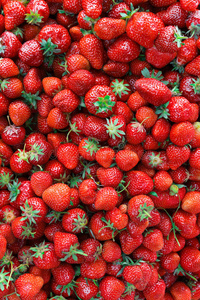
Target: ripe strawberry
[(77, 62), (31, 54), (155, 291), (8, 68), (194, 158), (4, 104), (193, 67), (75, 220), (57, 119), (158, 59), (28, 285), (109, 28), (162, 180), (153, 240), (93, 270), (174, 15), (182, 133), (140, 183), (186, 223), (68, 155), (85, 289), (66, 100), (19, 162), (190, 202), (37, 12), (72, 6), (139, 208), (14, 14), (177, 155), (111, 251), (96, 128), (179, 109), (44, 256), (109, 176), (106, 199), (59, 191), (80, 82), (135, 133), (12, 87), (104, 156), (9, 45), (111, 288), (193, 264), (3, 246), (116, 69), (180, 289), (34, 210), (143, 28), (13, 135), (187, 52), (66, 247), (126, 159), (146, 88)]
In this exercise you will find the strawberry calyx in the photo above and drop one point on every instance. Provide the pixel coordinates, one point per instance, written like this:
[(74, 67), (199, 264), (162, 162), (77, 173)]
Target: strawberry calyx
[(92, 145), (174, 189), (40, 249), (98, 252), (9, 216), (179, 270), (129, 289), (104, 104), (60, 297), (2, 46), (74, 180), (3, 84), (85, 32), (28, 231), (18, 32), (156, 75), (163, 111), (14, 190), (23, 155), (4, 279), (73, 251), (194, 30), (138, 126), (109, 225), (6, 260), (34, 18), (196, 85), (69, 287), (80, 223), (31, 99), (155, 160), (49, 47), (5, 179), (55, 216), (179, 37), (28, 213), (35, 151), (129, 13), (113, 129), (177, 67), (73, 128), (144, 211), (11, 130), (119, 87), (26, 258), (86, 171), (63, 64)]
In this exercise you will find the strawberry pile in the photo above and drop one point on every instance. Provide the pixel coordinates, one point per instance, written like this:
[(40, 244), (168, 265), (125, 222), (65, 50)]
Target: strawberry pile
[(99, 150)]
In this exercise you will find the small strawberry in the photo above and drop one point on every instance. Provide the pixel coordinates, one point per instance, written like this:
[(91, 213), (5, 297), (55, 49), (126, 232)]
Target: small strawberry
[(193, 264), (34, 210), (190, 202), (8, 68), (129, 243), (57, 119), (126, 159), (182, 133), (31, 54), (153, 240), (57, 191), (138, 183), (12, 87), (104, 156), (77, 62), (44, 256), (37, 12), (180, 289), (13, 135), (139, 208), (135, 133), (80, 82), (9, 44), (85, 289), (75, 220), (109, 176), (40, 181), (155, 291), (19, 162), (158, 59), (68, 155), (106, 199), (28, 285)]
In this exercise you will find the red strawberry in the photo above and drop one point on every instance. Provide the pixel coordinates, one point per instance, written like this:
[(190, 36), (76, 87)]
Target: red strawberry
[(72, 6), (37, 12), (40, 181), (143, 28), (93, 270), (12, 87), (3, 246), (9, 45), (106, 199), (68, 155), (126, 159), (8, 68), (138, 183), (85, 289), (13, 135), (75, 220), (44, 256), (135, 133), (104, 156), (146, 88), (92, 10), (174, 15), (66, 100), (28, 285), (155, 291), (109, 176), (182, 133), (139, 208), (31, 54), (109, 28), (190, 202), (179, 290), (19, 162), (153, 240), (111, 288), (57, 191), (80, 82), (14, 14), (77, 62), (158, 59)]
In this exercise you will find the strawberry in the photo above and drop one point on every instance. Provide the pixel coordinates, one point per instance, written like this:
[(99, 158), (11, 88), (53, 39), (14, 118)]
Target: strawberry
[(126, 159), (121, 89), (139, 208), (153, 240), (92, 248), (174, 15), (180, 289), (10, 10), (12, 87), (109, 176), (40, 181), (3, 246), (135, 133), (51, 85), (138, 183), (19, 162), (77, 62), (106, 199), (111, 251), (37, 12), (146, 88), (123, 49), (193, 67), (143, 28), (54, 39), (73, 7), (5, 152), (44, 256), (13, 135), (9, 45), (117, 218), (104, 156), (87, 191), (57, 119), (193, 160), (75, 220), (179, 109), (28, 283), (190, 202), (155, 291), (145, 254), (162, 180), (34, 210), (31, 54), (193, 264), (93, 270), (176, 157), (63, 274), (146, 116), (8, 68), (186, 222), (92, 10), (4, 104), (158, 59), (51, 194), (80, 82), (85, 289), (66, 100), (109, 28), (182, 133), (187, 52), (111, 288), (68, 155)]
